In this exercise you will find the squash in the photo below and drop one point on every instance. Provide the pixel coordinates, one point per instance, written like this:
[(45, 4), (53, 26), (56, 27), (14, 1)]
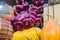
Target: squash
[(18, 36), (50, 31), (27, 34), (38, 31), (32, 34)]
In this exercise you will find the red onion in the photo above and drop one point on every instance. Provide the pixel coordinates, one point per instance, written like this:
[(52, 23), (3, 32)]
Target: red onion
[(20, 17), (19, 8), (26, 23), (32, 16), (33, 13), (38, 20), (26, 6), (38, 2), (40, 8), (39, 15), (19, 2), (18, 25), (33, 8), (26, 14)]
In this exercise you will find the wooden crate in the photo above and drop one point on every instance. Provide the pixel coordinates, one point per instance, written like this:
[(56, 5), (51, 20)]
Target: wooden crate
[(6, 30), (54, 11)]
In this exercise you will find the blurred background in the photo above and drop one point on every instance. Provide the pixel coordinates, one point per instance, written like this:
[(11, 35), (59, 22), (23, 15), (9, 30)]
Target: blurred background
[(13, 2)]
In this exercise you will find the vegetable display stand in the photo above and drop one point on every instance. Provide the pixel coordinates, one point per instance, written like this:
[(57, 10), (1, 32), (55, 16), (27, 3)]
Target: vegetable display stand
[(6, 30)]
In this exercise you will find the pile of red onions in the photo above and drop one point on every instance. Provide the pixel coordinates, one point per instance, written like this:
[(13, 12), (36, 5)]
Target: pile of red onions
[(26, 16)]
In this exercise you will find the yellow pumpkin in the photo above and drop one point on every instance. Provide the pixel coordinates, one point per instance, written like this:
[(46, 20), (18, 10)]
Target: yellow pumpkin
[(18, 36), (27, 34), (50, 31), (38, 31), (32, 34)]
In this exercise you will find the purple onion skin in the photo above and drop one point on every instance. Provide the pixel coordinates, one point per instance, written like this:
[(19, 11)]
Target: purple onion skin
[(18, 25), (16, 13), (26, 14), (33, 13), (38, 19), (26, 6), (19, 8), (38, 2), (40, 9), (20, 17), (33, 8), (32, 21), (19, 2), (24, 18), (28, 23), (39, 16)]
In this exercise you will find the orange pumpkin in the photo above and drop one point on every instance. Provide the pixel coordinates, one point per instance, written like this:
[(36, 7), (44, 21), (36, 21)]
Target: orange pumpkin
[(50, 31)]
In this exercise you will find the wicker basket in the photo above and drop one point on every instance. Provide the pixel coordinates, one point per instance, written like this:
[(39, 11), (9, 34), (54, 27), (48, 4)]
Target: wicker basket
[(6, 30)]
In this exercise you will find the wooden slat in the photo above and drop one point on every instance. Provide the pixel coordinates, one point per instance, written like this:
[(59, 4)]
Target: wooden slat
[(56, 12), (51, 11), (44, 14)]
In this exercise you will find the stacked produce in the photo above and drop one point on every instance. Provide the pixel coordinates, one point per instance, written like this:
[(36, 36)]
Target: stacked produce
[(27, 16), (50, 31)]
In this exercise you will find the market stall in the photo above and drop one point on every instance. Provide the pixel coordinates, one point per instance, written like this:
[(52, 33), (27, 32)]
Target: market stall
[(29, 21)]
